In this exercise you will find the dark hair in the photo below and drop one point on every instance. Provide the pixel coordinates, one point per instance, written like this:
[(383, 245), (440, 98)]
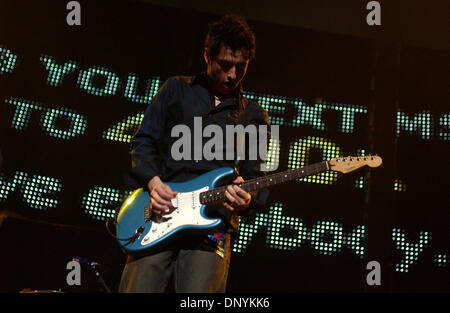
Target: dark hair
[(233, 32)]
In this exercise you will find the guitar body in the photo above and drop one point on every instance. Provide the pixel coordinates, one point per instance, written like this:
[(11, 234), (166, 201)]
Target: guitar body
[(150, 234)]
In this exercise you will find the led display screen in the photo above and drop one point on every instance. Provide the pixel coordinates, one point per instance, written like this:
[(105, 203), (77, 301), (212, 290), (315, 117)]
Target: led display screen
[(73, 97)]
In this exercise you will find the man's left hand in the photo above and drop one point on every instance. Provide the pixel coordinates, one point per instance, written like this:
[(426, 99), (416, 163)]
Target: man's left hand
[(238, 199)]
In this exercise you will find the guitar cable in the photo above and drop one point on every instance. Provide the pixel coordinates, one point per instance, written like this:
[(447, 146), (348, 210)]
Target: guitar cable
[(136, 235)]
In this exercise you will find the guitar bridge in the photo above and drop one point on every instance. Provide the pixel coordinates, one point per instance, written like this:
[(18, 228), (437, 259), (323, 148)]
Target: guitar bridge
[(147, 213)]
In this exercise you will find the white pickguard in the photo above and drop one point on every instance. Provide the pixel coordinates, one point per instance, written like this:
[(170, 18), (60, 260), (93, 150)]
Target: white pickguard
[(187, 213)]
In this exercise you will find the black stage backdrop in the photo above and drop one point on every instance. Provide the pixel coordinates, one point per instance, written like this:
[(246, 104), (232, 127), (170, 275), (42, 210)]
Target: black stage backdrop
[(72, 96)]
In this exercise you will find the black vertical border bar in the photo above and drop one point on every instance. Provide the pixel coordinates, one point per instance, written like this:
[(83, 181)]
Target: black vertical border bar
[(380, 194), (374, 55)]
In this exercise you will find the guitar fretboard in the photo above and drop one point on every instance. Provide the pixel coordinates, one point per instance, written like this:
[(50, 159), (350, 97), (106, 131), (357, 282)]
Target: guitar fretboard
[(218, 194)]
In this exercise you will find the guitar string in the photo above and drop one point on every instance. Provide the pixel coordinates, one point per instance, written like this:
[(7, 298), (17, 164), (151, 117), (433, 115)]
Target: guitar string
[(221, 190)]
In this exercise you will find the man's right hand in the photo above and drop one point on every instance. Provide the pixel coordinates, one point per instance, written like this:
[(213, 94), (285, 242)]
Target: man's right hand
[(160, 196)]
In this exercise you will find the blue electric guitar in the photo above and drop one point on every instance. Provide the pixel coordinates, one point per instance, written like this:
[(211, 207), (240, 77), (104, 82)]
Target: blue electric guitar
[(138, 230)]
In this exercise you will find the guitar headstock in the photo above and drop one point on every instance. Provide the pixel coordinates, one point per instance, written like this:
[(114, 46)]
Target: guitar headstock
[(352, 163)]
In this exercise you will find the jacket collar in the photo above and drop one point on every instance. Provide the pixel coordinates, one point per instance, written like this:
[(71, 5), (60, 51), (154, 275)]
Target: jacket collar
[(205, 80)]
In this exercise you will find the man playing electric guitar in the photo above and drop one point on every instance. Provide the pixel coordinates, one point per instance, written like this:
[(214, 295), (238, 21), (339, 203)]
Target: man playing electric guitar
[(197, 263)]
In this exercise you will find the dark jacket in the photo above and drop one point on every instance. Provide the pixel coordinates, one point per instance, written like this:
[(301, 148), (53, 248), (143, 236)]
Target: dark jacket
[(178, 101)]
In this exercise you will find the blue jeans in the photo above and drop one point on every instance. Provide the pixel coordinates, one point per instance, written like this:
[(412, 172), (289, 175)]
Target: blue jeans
[(193, 269)]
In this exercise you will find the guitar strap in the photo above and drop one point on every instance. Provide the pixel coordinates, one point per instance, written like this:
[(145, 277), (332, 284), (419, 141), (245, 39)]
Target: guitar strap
[(240, 121)]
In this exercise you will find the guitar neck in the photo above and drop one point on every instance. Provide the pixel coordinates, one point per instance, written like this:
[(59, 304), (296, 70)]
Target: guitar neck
[(218, 194)]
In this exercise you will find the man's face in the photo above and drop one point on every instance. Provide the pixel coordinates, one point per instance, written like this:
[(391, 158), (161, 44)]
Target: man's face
[(227, 69)]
